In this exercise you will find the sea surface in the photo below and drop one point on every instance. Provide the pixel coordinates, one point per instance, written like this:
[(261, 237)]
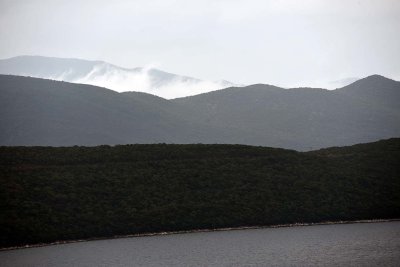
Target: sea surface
[(359, 244)]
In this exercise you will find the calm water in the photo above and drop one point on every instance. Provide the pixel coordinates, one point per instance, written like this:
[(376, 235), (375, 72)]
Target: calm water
[(372, 244)]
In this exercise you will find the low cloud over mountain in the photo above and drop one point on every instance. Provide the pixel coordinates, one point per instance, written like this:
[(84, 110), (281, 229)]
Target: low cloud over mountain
[(99, 73)]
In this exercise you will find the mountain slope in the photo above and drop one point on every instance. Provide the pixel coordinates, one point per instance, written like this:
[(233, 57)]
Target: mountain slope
[(51, 194), (44, 112), (303, 118), (103, 74)]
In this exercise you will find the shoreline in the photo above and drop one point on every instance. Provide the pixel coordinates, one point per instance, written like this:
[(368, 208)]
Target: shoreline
[(195, 231)]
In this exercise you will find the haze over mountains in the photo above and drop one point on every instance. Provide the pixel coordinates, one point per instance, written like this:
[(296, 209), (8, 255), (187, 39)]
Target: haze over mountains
[(45, 112), (100, 73)]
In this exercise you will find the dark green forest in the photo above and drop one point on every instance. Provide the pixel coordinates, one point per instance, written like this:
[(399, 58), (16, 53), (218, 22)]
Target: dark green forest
[(63, 193)]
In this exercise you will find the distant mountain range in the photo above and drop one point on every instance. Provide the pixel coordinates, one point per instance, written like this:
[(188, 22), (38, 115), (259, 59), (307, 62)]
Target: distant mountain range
[(53, 113), (100, 73)]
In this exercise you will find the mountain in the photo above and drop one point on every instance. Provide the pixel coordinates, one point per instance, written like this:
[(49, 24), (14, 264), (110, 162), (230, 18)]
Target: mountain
[(303, 118), (104, 74), (52, 194), (44, 112)]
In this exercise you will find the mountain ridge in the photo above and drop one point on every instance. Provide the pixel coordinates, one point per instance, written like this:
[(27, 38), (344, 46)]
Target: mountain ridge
[(46, 112)]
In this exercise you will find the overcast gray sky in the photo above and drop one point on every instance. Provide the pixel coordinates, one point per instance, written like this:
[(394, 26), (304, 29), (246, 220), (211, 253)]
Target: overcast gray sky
[(287, 43)]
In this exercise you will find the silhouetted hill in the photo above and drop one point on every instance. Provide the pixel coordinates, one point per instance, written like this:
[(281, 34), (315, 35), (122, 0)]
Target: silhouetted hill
[(375, 90), (303, 118), (44, 112), (50, 194)]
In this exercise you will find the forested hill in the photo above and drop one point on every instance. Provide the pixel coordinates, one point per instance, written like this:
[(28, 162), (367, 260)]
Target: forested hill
[(65, 193)]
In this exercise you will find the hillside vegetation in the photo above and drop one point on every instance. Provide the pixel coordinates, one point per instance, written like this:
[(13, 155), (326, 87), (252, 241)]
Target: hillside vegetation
[(65, 193)]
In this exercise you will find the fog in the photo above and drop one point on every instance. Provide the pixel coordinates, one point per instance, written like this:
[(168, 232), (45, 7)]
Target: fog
[(145, 80)]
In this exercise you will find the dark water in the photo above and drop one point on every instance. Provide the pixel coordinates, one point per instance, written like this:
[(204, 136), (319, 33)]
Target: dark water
[(368, 244)]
